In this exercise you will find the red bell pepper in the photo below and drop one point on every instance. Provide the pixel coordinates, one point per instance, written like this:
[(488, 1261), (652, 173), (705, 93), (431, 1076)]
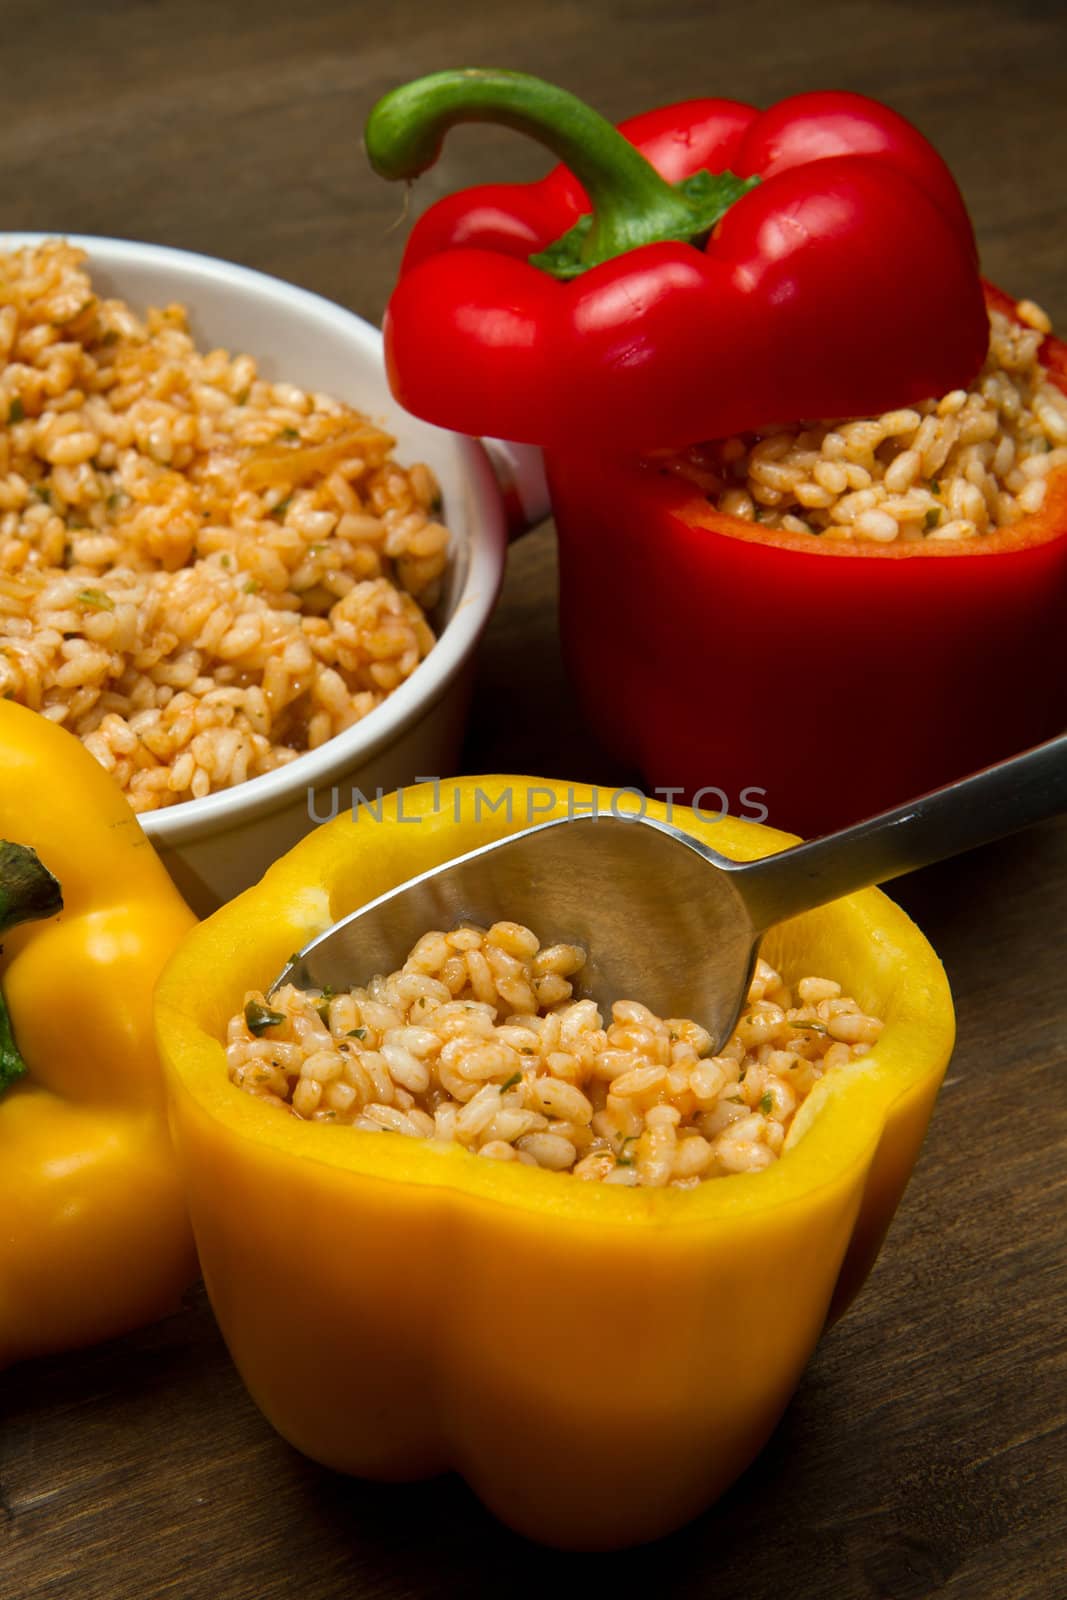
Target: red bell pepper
[(737, 666), (764, 672), (737, 268)]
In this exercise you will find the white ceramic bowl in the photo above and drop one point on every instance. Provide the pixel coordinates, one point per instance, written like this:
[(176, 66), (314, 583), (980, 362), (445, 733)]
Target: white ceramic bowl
[(219, 845)]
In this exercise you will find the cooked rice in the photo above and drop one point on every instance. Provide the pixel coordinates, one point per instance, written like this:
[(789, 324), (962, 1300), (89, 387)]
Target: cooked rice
[(202, 573), (478, 1040), (956, 468)]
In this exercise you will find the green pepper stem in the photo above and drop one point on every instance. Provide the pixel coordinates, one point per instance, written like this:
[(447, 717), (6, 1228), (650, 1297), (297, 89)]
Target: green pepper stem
[(632, 204), (28, 891), (12, 1066)]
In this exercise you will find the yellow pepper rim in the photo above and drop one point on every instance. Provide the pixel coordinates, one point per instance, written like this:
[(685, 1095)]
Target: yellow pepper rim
[(246, 943)]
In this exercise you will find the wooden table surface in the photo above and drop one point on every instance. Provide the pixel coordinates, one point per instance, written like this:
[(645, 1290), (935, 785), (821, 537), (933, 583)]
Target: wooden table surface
[(925, 1450)]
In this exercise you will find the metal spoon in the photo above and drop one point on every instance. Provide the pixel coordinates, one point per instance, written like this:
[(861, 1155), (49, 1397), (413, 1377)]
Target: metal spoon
[(664, 918)]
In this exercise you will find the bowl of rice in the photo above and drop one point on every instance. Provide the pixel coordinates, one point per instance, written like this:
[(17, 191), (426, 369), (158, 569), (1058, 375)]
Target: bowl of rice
[(228, 563)]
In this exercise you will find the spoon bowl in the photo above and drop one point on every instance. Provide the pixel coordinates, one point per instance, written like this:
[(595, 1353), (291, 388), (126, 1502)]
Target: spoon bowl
[(662, 916), (658, 912)]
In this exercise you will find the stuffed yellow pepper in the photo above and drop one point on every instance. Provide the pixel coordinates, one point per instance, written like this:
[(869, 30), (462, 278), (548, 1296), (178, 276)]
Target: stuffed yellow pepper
[(598, 1359)]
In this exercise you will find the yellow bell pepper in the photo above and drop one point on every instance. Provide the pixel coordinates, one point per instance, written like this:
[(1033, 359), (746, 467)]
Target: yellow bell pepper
[(598, 1362), (94, 1234)]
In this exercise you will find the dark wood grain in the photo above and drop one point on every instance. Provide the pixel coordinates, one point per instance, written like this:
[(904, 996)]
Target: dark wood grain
[(926, 1450)]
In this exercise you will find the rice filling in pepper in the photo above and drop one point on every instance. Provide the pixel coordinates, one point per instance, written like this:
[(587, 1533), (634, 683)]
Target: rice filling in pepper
[(479, 1040)]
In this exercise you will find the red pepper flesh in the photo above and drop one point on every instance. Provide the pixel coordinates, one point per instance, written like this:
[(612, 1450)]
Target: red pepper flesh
[(844, 284), (754, 670)]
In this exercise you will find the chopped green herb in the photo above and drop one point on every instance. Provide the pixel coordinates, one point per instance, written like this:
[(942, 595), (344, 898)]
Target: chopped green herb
[(111, 336), (758, 514), (932, 518), (741, 1074), (516, 1077), (294, 959), (935, 486), (251, 587), (16, 410), (289, 433), (1048, 446), (356, 1033), (815, 1027), (322, 1004), (242, 398), (226, 561), (282, 507), (115, 500), (766, 1103), (96, 599), (43, 492), (735, 1099), (621, 1158), (260, 1017)]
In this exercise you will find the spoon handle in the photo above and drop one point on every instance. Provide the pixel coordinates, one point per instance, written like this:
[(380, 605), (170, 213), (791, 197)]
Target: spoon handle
[(1001, 799)]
